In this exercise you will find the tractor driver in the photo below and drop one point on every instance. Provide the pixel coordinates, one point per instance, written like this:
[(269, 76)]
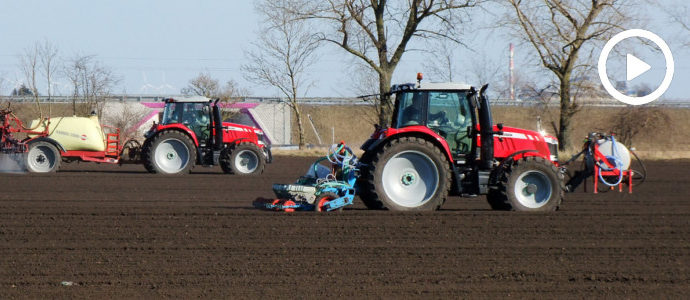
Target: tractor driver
[(200, 121), (411, 114)]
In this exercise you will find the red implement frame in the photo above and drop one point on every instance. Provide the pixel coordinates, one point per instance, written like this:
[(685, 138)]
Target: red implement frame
[(112, 151), (600, 158)]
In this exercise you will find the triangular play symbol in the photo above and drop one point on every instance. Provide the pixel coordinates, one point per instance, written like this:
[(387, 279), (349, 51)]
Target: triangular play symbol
[(636, 67)]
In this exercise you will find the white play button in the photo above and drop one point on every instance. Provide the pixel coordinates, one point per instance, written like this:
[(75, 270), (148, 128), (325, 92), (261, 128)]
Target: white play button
[(636, 67)]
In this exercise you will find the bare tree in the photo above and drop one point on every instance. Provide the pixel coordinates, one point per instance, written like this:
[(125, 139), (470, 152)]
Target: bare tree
[(202, 85), (233, 92), (679, 13), (484, 70), (363, 80), (124, 116), (30, 65), (379, 31), (207, 86), (47, 53), (632, 120), (91, 82), (563, 34), (441, 65), (282, 55), (2, 88)]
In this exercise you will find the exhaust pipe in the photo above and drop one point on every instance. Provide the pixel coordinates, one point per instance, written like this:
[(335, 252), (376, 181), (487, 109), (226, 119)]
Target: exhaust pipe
[(486, 130)]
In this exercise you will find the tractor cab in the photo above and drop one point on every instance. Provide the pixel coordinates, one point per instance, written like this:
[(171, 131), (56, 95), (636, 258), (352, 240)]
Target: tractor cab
[(443, 108), (192, 112)]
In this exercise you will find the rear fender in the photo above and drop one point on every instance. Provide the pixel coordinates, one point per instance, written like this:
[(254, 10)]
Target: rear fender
[(498, 170), (48, 140), (184, 130), (411, 131), (177, 127)]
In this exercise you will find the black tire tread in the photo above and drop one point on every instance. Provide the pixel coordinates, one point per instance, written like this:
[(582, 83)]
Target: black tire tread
[(368, 192), (149, 148), (247, 146), (499, 198)]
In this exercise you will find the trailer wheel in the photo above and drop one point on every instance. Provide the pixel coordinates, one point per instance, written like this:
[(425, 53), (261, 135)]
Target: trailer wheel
[(322, 200), (407, 174), (170, 152), (43, 157), (131, 151), (529, 184), (245, 159)]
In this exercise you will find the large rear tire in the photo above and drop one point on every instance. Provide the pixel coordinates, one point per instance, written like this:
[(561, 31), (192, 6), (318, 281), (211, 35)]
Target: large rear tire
[(407, 174), (43, 157), (169, 152), (366, 188), (528, 184), (245, 159)]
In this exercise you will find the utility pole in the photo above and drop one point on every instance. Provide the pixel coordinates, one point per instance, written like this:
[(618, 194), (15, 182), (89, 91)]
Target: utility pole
[(511, 77)]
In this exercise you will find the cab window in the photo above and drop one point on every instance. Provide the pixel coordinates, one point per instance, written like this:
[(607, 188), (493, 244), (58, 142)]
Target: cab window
[(411, 109)]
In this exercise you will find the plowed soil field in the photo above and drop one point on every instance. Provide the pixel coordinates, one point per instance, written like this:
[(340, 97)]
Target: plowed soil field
[(100, 231)]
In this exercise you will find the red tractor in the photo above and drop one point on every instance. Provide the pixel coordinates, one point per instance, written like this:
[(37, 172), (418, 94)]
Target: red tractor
[(442, 139), (191, 131)]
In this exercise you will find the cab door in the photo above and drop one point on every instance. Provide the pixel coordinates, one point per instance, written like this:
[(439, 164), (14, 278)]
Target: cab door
[(449, 115), (197, 118)]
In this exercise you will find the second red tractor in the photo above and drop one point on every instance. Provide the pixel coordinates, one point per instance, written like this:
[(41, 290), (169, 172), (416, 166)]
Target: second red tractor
[(191, 131)]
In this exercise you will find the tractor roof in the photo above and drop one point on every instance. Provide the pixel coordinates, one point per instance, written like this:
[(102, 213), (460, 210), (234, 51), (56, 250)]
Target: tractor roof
[(443, 86), (187, 99), (432, 86)]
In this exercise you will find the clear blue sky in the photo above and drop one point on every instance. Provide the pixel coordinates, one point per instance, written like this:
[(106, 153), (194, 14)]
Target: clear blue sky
[(157, 46)]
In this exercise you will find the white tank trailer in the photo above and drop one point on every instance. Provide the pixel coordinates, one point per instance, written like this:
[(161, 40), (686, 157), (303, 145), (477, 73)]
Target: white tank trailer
[(75, 133)]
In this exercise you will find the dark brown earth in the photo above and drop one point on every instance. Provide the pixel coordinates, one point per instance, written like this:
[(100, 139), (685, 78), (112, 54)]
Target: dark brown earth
[(119, 232)]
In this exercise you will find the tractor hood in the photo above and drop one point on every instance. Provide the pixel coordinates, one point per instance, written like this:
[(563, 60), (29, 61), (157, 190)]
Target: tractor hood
[(240, 127), (516, 139)]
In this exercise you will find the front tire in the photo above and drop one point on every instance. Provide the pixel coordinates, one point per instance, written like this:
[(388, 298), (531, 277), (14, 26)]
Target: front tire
[(407, 174), (43, 157), (529, 184), (245, 159), (169, 152)]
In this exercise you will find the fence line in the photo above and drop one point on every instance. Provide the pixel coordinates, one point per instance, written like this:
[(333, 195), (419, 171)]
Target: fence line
[(337, 101)]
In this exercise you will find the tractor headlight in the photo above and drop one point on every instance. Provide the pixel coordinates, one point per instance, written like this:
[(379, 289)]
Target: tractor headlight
[(262, 138)]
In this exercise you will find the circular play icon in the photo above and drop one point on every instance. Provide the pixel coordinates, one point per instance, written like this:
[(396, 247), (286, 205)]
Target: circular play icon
[(635, 67)]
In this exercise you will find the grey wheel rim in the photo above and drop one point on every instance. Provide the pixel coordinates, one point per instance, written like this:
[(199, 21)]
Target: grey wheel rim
[(410, 178), (41, 159), (533, 189), (246, 162), (172, 156)]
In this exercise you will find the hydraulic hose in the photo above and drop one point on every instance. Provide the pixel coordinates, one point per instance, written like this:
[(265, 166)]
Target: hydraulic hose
[(618, 165), (642, 166)]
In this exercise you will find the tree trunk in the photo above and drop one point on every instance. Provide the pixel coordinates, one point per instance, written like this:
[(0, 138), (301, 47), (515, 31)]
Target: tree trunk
[(386, 107), (566, 113), (300, 127)]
